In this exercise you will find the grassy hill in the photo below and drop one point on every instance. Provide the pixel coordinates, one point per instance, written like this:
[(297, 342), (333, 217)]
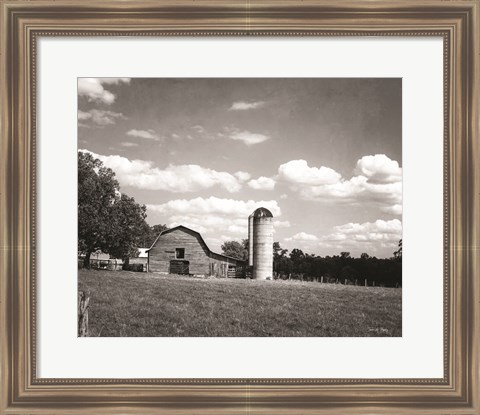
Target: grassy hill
[(149, 305)]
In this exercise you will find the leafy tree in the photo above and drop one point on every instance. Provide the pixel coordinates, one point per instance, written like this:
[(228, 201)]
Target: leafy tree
[(345, 255), (107, 220), (97, 190), (398, 254), (127, 228), (297, 255), (150, 235), (278, 252), (235, 249)]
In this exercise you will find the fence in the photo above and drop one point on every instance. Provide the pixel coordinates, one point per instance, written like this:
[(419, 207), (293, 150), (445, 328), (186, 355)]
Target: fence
[(332, 280), (112, 265)]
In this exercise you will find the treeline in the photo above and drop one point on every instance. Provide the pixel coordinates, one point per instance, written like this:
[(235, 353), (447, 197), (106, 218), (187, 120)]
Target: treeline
[(299, 265), (381, 271)]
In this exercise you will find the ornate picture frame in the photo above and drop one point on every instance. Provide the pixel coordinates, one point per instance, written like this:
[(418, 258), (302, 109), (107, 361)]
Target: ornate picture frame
[(24, 22)]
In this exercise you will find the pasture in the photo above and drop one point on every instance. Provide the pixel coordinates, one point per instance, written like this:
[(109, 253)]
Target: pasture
[(130, 304)]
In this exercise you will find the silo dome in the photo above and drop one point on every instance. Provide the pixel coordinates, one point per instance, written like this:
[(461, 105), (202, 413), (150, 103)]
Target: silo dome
[(262, 212)]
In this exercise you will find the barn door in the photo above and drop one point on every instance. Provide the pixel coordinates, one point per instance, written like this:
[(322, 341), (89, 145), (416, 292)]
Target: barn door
[(179, 267)]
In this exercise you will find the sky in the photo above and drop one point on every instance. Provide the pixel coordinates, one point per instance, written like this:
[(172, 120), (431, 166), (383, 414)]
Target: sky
[(323, 154)]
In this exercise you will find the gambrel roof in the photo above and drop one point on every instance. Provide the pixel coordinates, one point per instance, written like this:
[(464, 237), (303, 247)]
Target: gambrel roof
[(200, 240)]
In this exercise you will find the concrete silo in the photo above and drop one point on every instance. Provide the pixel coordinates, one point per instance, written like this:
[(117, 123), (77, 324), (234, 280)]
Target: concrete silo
[(250, 240), (262, 244)]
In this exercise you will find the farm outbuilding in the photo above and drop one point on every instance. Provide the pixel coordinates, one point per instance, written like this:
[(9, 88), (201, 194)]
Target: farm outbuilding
[(181, 250)]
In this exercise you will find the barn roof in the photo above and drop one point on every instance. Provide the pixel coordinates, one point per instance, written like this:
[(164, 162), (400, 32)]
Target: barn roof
[(198, 235)]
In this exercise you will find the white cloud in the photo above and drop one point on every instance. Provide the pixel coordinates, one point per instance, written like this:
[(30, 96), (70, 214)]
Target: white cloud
[(378, 183), (147, 134), (303, 237), (283, 196), (365, 237), (100, 117), (128, 144), (198, 128), (262, 183), (247, 137), (242, 176), (215, 205), (213, 216), (243, 105), (379, 169), (93, 88), (84, 115), (299, 172), (174, 178)]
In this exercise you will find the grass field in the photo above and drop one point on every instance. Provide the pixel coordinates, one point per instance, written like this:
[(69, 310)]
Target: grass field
[(140, 304)]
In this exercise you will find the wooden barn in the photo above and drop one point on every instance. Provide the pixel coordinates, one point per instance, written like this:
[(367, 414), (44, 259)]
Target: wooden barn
[(181, 250)]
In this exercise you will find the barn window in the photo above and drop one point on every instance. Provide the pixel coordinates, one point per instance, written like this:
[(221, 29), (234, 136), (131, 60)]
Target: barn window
[(179, 253)]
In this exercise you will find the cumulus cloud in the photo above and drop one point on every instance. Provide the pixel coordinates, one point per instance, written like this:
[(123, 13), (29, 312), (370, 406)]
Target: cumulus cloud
[(379, 169), (214, 205), (173, 178), (378, 183), (100, 117), (94, 90), (302, 236), (300, 173), (247, 137), (213, 216), (243, 105), (128, 144), (262, 183), (368, 236), (147, 134), (242, 175)]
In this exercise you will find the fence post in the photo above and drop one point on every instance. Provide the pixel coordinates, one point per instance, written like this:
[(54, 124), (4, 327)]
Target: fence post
[(83, 300), (345, 281), (321, 279), (366, 283)]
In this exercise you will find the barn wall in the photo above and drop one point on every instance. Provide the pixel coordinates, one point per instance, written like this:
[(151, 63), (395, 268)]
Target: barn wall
[(164, 251), (219, 266)]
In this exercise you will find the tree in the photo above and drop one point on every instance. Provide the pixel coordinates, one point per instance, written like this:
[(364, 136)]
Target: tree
[(107, 220), (151, 234), (235, 249), (278, 252), (127, 228), (97, 190), (297, 255), (398, 254)]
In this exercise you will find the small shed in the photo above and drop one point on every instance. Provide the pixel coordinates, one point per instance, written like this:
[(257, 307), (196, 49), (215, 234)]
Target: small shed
[(181, 250)]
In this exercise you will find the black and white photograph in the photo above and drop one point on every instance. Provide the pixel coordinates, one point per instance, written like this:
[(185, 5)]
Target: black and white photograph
[(239, 207)]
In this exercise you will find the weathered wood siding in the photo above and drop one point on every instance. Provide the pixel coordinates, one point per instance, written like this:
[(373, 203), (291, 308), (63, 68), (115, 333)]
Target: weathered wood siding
[(163, 252), (221, 266)]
